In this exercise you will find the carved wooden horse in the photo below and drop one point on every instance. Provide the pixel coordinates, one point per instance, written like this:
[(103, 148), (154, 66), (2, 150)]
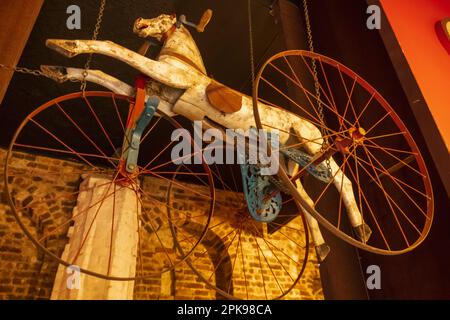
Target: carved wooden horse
[(180, 80)]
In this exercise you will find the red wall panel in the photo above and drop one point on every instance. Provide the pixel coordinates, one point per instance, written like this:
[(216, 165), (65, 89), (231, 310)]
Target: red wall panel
[(414, 24)]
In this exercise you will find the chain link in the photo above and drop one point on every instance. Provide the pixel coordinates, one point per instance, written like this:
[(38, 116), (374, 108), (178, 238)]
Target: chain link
[(95, 34), (87, 66), (252, 54), (37, 73), (325, 143)]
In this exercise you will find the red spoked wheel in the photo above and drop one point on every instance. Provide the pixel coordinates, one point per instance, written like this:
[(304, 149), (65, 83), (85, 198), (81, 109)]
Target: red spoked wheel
[(243, 259), (380, 178), (64, 178)]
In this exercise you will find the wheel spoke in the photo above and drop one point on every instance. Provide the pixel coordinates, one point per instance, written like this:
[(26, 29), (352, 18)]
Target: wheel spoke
[(84, 134), (376, 146), (79, 213), (100, 124), (299, 84), (181, 185), (154, 230), (234, 262), (390, 202), (358, 183), (110, 159), (316, 79), (340, 198), (93, 220), (364, 109), (112, 231), (270, 267), (370, 157), (372, 214), (349, 96), (399, 160), (150, 130), (333, 104), (386, 173), (296, 104), (331, 181), (378, 123), (260, 265), (64, 144)]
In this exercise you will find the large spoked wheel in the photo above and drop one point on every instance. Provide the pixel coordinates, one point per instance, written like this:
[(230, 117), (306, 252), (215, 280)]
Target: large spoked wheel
[(244, 259), (70, 149), (379, 175)]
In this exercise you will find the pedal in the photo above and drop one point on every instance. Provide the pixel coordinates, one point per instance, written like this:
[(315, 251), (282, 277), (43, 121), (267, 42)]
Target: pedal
[(264, 200), (133, 153)]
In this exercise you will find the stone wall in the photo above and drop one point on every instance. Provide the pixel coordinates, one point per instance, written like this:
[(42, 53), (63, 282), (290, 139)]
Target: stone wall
[(26, 273)]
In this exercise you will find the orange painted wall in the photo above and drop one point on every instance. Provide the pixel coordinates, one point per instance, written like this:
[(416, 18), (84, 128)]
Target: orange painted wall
[(413, 22)]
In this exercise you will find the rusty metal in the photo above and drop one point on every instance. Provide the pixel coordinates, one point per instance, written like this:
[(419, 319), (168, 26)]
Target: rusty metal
[(122, 181), (345, 142)]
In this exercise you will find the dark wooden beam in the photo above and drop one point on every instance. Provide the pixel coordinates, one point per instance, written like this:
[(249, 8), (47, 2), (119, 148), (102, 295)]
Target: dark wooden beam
[(17, 18)]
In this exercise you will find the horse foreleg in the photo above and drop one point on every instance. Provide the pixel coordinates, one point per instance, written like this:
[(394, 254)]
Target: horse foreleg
[(322, 249), (173, 75)]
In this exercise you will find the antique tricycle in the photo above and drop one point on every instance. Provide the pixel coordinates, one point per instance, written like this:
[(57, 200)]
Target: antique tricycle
[(333, 129)]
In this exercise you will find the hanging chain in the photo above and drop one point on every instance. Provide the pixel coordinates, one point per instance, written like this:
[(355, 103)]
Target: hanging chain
[(252, 54), (98, 24), (37, 73), (324, 132)]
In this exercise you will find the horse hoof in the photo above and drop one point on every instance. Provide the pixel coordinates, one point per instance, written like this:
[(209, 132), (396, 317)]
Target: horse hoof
[(322, 252), (67, 48), (363, 232)]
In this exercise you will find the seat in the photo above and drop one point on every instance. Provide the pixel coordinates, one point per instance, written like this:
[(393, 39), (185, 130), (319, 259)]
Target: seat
[(223, 98)]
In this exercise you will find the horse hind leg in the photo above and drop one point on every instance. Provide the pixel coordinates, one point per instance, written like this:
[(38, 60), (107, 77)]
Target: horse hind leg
[(322, 249), (63, 74), (313, 140), (345, 187)]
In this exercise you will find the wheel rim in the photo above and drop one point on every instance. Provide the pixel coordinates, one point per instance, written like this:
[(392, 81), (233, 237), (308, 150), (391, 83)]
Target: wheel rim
[(383, 161), (90, 124), (282, 246)]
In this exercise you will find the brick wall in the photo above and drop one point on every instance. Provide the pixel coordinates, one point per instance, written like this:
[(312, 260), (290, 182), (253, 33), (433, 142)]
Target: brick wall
[(25, 273)]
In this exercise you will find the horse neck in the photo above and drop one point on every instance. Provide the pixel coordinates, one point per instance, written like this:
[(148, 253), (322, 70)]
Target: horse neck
[(180, 44)]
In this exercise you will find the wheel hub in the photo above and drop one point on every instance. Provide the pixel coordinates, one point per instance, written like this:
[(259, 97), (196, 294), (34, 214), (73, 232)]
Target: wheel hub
[(356, 136)]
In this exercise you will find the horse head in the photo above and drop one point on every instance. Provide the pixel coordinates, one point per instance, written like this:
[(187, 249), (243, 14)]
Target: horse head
[(178, 43), (155, 28)]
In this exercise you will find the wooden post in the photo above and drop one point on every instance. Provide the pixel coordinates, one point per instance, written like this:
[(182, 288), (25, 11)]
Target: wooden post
[(17, 18), (98, 253)]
